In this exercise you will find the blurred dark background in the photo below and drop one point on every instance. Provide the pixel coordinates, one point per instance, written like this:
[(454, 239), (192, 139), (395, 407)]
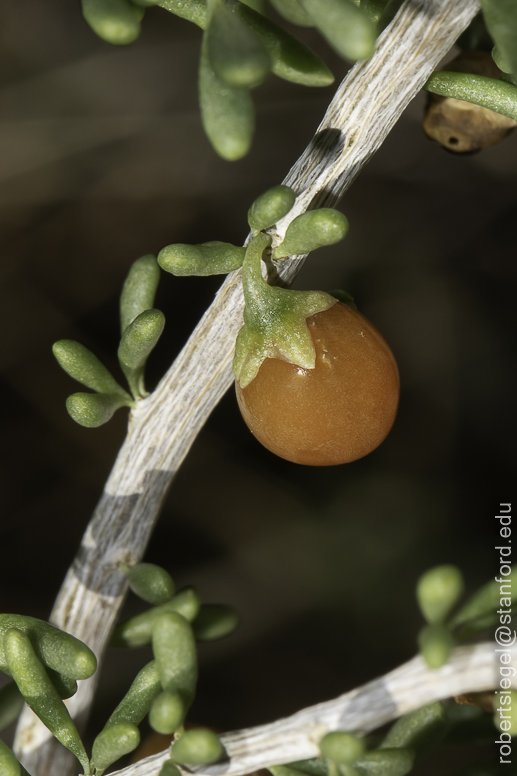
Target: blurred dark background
[(103, 159)]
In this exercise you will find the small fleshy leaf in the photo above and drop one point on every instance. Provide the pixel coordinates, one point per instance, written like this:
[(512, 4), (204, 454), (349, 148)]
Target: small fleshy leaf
[(346, 26), (227, 112), (501, 20), (151, 583), (215, 621), (419, 729), (81, 364), (270, 207), (236, 53), (169, 769), (341, 747), (292, 12), (210, 258), (115, 21), (197, 747), (136, 344), (11, 705), (312, 230), (112, 744), (137, 701), (137, 630), (139, 290), (435, 643), (9, 765), (167, 713), (174, 648), (437, 592), (92, 410), (385, 762)]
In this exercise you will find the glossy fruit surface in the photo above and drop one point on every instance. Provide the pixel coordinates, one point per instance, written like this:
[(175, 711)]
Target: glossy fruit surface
[(335, 413)]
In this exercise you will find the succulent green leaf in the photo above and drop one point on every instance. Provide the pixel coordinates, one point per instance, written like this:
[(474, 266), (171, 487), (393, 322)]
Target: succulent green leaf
[(112, 744), (137, 631), (81, 364), (9, 765), (502, 63), (314, 767), (312, 230), (345, 26), (290, 58), (57, 649), (194, 11), (236, 53), (174, 648), (419, 730), (437, 591), (40, 694), (227, 112), (385, 762), (210, 258), (137, 701), (167, 712), (169, 769), (65, 685), (138, 340), (497, 95), (435, 643), (11, 705), (115, 21), (215, 621), (139, 290), (197, 747), (270, 207), (293, 12), (274, 319), (151, 583), (501, 20), (485, 601), (341, 747), (92, 410)]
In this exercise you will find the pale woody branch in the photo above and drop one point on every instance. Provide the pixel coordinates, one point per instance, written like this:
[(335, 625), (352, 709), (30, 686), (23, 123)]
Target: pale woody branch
[(405, 689), (163, 427)]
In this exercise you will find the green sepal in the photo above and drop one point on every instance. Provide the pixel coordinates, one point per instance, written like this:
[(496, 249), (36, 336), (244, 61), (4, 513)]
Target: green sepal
[(139, 290), (274, 319), (501, 21), (136, 344), (210, 258), (11, 705), (151, 583), (137, 630), (236, 53), (312, 230), (167, 712), (293, 12), (57, 649), (270, 207), (215, 621), (197, 747), (341, 747), (81, 364), (9, 765), (495, 94), (227, 112), (345, 26), (174, 648), (40, 694), (435, 643), (484, 602), (112, 744), (138, 700), (437, 591), (115, 21), (169, 769), (343, 296), (385, 762), (420, 730), (92, 410)]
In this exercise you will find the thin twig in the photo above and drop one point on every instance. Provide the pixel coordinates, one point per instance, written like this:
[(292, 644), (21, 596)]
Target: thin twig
[(163, 427), (405, 689)]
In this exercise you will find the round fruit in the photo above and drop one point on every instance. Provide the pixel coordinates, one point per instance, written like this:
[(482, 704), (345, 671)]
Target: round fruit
[(335, 413)]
